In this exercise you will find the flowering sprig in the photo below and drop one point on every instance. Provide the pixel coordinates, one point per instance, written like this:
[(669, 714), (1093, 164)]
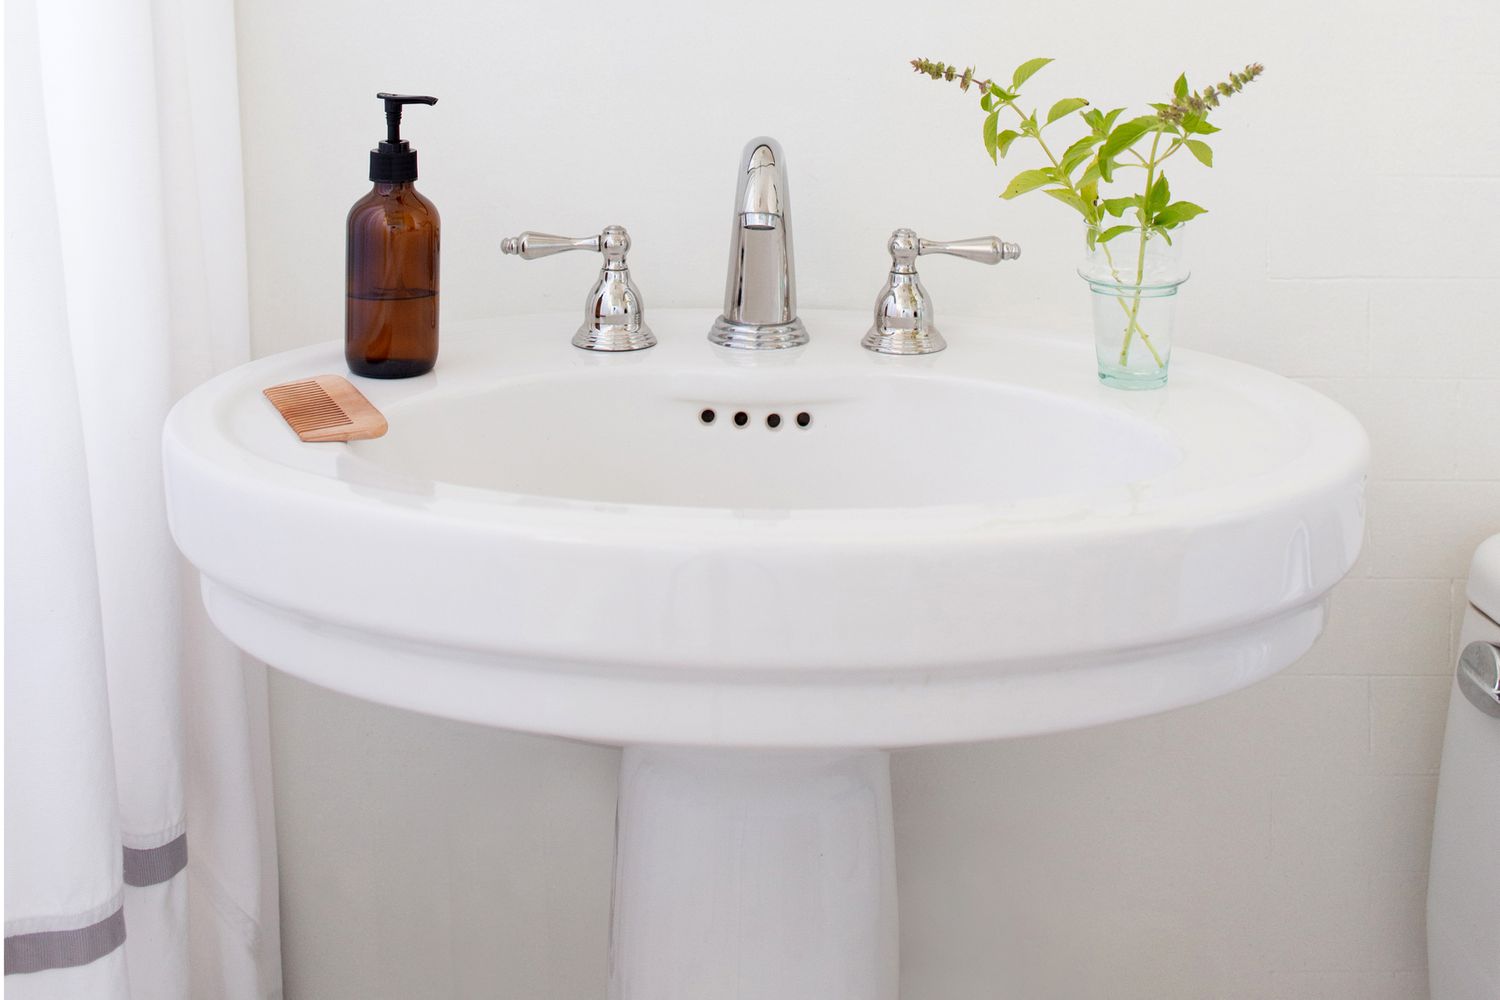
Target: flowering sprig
[(1185, 102)]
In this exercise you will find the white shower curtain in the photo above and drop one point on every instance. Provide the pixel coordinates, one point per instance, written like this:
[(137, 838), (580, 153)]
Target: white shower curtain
[(139, 856)]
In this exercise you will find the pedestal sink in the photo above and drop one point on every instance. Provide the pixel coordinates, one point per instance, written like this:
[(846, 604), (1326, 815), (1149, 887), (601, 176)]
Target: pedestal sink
[(760, 572)]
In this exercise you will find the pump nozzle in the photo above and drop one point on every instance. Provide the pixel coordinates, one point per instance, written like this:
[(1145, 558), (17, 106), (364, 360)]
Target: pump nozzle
[(393, 104), (394, 161)]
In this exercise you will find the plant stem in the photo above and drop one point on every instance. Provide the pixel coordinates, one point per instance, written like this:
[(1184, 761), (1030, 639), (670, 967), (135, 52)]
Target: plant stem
[(1131, 322), (1140, 265)]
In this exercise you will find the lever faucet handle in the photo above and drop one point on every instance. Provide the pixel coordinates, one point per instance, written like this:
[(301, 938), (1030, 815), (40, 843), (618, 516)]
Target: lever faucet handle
[(980, 249), (530, 246), (614, 317), (903, 311)]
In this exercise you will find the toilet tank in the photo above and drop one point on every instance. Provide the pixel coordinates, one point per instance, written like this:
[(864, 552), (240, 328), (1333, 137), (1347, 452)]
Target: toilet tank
[(1463, 885)]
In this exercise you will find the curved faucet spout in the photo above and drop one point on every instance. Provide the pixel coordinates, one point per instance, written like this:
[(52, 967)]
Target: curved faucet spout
[(760, 295)]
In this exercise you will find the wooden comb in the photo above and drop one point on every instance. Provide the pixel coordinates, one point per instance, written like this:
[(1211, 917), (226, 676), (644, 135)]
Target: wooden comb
[(327, 408)]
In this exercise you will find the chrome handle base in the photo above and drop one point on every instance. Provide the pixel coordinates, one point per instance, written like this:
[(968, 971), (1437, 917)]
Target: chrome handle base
[(903, 311), (1479, 676), (614, 317)]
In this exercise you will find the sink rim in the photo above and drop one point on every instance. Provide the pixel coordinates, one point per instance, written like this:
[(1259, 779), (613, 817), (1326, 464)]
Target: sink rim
[(197, 431)]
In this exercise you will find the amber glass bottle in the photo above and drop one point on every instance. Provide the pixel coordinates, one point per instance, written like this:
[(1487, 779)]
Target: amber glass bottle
[(391, 316)]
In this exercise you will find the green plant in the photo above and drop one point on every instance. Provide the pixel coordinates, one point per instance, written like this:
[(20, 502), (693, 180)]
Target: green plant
[(1103, 155)]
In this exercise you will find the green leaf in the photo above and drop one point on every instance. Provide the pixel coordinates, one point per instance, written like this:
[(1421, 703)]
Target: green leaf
[(1090, 176), (1066, 106), (1070, 199), (1177, 213), (1078, 152), (1026, 180), (1119, 206), (1105, 168), (1090, 195), (987, 102), (1151, 123), (1161, 193), (1122, 138), (1195, 124), (1092, 235), (1180, 88), (1004, 139), (1114, 231), (991, 120), (1025, 71), (1109, 119), (1200, 149), (1001, 93), (1094, 119)]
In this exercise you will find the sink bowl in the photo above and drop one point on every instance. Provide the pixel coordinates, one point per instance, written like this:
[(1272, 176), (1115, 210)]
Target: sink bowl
[(757, 571)]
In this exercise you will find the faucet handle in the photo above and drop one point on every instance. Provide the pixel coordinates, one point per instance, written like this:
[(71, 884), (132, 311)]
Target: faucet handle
[(614, 317), (903, 311), (980, 249), (530, 246)]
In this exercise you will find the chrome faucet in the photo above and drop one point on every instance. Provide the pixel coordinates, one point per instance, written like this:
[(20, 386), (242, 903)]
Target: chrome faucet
[(760, 296)]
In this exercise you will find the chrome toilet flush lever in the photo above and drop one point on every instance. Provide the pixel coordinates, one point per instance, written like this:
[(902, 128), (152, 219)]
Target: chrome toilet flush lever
[(614, 318), (903, 312)]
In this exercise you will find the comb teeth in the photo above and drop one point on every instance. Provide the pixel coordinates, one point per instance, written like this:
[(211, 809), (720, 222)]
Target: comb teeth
[(307, 406), (327, 408)]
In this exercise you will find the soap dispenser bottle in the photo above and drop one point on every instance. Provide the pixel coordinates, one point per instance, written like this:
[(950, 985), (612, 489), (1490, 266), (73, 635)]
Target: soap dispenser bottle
[(391, 315)]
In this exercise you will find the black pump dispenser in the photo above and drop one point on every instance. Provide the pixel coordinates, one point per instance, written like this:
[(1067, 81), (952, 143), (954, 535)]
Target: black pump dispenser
[(394, 161)]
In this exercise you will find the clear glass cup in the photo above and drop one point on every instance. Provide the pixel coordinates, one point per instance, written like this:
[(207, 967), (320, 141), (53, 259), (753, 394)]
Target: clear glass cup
[(1133, 285)]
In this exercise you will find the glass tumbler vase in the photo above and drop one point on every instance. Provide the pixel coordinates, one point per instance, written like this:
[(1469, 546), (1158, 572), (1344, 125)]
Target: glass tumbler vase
[(1133, 287)]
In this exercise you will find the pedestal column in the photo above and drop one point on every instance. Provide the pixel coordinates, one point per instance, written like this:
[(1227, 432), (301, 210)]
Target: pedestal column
[(754, 875)]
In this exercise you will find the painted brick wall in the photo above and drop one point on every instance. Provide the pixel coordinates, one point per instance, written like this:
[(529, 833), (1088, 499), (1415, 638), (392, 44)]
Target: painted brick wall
[(1271, 844)]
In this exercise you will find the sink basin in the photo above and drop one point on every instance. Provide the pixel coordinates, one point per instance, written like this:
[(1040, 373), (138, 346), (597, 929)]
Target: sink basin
[(622, 548), (636, 436)]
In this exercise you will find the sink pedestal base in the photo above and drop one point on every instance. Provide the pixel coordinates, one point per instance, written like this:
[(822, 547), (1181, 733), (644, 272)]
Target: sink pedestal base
[(754, 875)]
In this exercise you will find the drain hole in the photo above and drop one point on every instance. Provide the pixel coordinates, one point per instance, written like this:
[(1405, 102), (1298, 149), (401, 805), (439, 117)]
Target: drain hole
[(773, 421), (741, 419), (707, 416), (803, 419)]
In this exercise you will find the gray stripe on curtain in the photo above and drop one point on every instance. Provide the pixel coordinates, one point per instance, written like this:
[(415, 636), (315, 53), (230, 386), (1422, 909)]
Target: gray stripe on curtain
[(151, 865), (64, 949)]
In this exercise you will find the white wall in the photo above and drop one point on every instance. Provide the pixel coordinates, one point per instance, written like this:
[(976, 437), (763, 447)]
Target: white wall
[(1271, 844)]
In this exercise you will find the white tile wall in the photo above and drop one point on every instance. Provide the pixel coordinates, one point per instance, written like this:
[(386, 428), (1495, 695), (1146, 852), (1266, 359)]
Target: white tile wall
[(1268, 845)]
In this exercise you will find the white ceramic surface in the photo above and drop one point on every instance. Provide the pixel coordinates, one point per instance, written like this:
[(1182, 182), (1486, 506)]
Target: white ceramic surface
[(754, 874), (979, 543), (1463, 879)]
